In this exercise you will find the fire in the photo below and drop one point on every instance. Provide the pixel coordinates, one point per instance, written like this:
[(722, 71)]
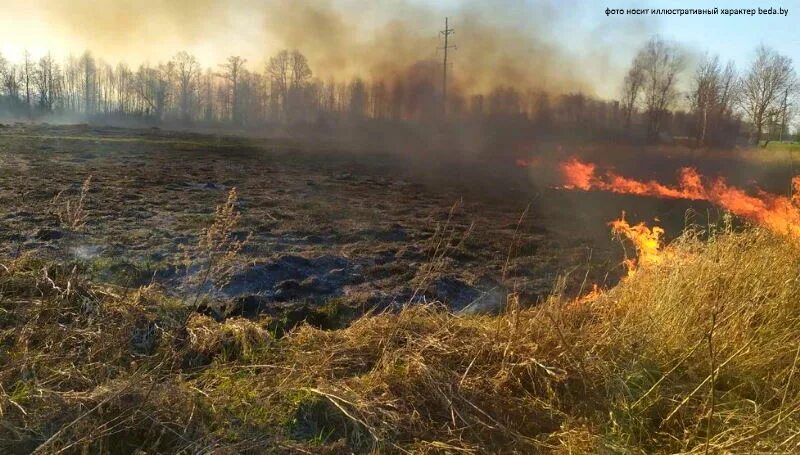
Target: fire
[(583, 176), (778, 213), (647, 242), (578, 175), (590, 296)]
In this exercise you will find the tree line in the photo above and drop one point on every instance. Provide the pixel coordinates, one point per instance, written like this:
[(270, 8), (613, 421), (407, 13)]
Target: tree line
[(720, 105), (283, 91), (721, 101)]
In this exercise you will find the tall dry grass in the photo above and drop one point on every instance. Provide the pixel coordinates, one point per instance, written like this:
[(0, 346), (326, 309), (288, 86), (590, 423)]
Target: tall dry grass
[(210, 263), (696, 354), (72, 212), (704, 348)]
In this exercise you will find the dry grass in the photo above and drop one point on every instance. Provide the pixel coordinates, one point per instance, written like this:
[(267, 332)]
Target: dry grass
[(446, 238), (210, 263), (697, 354), (72, 212)]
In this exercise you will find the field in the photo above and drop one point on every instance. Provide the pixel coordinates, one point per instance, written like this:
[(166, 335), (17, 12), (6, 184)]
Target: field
[(170, 292), (314, 216), (785, 146), (308, 209)]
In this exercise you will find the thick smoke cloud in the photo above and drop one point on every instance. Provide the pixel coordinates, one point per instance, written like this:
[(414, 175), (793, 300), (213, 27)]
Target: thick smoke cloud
[(514, 43), (490, 51)]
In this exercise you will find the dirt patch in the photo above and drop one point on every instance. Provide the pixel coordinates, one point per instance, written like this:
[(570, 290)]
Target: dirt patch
[(293, 277)]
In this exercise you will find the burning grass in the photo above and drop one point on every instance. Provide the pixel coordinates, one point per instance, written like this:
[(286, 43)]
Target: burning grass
[(776, 212), (694, 354), (646, 241)]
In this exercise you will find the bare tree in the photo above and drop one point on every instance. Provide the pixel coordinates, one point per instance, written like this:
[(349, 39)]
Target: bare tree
[(153, 88), (89, 70), (357, 104), (631, 89), (27, 75), (763, 88), (661, 62), (787, 110), (8, 74), (208, 95), (726, 90), (711, 98), (163, 82), (301, 72), (124, 84), (297, 102), (45, 80), (278, 71), (704, 94), (187, 72), (279, 68), (289, 76), (233, 69), (379, 101)]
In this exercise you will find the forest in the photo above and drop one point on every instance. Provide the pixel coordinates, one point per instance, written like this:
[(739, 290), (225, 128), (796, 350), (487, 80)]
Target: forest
[(661, 99)]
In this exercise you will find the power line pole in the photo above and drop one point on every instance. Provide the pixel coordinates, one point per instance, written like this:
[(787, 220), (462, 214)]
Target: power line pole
[(446, 33), (783, 114)]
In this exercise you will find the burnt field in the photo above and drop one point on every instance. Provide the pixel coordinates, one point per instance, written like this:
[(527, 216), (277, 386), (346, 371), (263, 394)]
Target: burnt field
[(368, 230), (323, 224)]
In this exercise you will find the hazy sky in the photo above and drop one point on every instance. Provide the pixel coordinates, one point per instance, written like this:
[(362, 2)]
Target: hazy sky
[(563, 43)]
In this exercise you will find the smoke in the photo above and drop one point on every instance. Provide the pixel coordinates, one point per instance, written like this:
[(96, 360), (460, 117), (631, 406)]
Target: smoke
[(527, 45), (507, 43)]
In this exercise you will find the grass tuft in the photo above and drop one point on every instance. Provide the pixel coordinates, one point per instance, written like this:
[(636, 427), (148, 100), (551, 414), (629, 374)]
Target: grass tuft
[(72, 212)]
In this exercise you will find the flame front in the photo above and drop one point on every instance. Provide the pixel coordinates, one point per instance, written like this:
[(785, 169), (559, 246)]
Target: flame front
[(781, 214)]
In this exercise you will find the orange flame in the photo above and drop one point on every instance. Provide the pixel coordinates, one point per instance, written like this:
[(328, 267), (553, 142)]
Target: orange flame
[(647, 242), (578, 175), (778, 213), (590, 296)]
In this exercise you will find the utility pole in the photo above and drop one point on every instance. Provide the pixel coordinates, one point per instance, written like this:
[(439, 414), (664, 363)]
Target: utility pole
[(446, 33), (783, 114)]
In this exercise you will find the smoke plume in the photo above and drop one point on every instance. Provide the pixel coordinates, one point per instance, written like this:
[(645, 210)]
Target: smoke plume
[(527, 45)]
